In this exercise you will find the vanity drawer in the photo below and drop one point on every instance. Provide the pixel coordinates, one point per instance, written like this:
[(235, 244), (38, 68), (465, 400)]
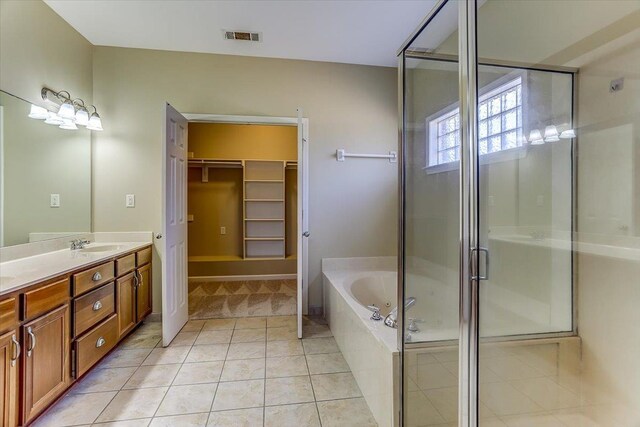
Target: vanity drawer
[(46, 298), (93, 307), (93, 345), (92, 278), (8, 314), (143, 257), (125, 264)]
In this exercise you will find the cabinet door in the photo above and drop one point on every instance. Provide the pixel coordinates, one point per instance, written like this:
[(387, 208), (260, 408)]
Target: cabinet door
[(126, 290), (9, 354), (46, 364), (144, 291)]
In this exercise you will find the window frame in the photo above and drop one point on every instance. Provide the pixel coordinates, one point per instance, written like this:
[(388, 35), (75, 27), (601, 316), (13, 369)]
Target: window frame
[(485, 92)]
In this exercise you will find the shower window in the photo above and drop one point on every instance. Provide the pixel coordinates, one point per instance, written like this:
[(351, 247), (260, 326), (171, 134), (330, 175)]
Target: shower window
[(499, 124)]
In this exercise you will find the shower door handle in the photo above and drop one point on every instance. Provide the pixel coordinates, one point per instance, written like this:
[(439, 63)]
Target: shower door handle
[(475, 260)]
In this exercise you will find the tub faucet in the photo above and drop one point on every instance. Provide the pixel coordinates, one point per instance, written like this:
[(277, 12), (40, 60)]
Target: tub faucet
[(392, 318), (376, 312)]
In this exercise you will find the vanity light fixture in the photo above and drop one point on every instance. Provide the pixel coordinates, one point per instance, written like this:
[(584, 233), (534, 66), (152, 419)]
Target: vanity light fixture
[(66, 112), (535, 137), (551, 134)]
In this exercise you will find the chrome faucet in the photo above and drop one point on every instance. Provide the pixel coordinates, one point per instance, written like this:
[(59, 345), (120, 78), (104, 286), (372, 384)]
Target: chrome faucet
[(376, 312), (79, 243), (392, 318)]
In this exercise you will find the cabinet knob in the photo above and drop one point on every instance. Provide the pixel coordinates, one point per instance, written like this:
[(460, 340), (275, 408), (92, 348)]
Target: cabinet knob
[(101, 341), (96, 276), (97, 305)]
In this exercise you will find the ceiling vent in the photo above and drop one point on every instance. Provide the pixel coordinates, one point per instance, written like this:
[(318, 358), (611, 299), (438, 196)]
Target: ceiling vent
[(242, 35)]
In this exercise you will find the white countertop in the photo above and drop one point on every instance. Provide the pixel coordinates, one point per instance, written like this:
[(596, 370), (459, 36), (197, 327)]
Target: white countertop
[(27, 271)]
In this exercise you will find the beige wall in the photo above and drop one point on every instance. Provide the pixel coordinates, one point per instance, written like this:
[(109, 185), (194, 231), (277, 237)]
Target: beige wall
[(352, 204), (39, 48)]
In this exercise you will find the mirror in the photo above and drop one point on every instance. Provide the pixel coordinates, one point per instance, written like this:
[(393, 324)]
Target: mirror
[(41, 166)]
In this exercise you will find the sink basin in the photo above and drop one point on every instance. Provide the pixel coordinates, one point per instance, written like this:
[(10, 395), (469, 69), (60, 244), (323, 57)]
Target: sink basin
[(101, 248)]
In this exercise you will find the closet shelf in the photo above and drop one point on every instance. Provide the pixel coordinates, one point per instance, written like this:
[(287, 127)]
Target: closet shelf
[(263, 180), (264, 200), (264, 219), (267, 239), (215, 163)]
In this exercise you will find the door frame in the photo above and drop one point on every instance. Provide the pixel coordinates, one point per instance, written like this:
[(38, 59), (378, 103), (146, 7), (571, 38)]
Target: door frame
[(302, 226)]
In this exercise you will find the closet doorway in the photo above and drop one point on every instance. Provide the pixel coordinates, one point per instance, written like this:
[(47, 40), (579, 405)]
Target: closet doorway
[(246, 211)]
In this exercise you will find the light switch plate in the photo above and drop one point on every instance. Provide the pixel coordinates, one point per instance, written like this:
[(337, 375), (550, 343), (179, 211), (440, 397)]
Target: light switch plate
[(130, 200), (54, 201), (223, 230)]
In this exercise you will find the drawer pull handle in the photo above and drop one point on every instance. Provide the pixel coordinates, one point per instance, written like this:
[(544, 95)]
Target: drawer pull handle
[(16, 350), (32, 341), (97, 305), (101, 341), (96, 276), (136, 282)]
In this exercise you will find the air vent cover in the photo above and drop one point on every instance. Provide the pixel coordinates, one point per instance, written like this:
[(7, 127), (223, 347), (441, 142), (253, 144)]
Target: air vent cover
[(242, 35)]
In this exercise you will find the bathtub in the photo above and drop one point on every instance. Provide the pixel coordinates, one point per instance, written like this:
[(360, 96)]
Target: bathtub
[(369, 347)]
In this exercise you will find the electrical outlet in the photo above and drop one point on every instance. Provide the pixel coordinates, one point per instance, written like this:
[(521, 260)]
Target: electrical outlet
[(223, 230), (54, 201), (130, 201)]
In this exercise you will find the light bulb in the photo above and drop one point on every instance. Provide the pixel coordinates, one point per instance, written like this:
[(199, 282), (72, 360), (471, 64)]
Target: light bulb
[(38, 112), (53, 119), (95, 123), (534, 135), (67, 111), (82, 117), (568, 134), (68, 125)]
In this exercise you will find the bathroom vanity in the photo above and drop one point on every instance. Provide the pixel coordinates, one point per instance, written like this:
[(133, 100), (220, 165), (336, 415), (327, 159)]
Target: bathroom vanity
[(60, 313)]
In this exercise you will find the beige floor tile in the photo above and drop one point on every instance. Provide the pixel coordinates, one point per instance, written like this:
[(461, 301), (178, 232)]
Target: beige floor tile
[(284, 348), (327, 363), (124, 358), (313, 320), (511, 368), (237, 418), (446, 356), (547, 393), (423, 358), (282, 391), (320, 345), (109, 379), (199, 373), (246, 350), (152, 376), (491, 422), (302, 415), (140, 422), (503, 399), (576, 418), (420, 411), (282, 334), (187, 399), (248, 335), (191, 420), (182, 339), (141, 341), (434, 375), (66, 412), (193, 326), (316, 331), (166, 356), (219, 324), (346, 413), (214, 337), (335, 386), (130, 404), (535, 420), (239, 394), (207, 353), (251, 323), (287, 366), (243, 369), (149, 328), (282, 321)]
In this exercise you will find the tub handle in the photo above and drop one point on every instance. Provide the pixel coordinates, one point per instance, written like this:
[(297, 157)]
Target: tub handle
[(376, 312)]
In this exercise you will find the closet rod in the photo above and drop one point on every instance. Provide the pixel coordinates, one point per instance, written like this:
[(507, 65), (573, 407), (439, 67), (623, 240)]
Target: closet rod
[(341, 155)]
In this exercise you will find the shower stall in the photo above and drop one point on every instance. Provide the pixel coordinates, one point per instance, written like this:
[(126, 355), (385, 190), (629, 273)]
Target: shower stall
[(520, 215)]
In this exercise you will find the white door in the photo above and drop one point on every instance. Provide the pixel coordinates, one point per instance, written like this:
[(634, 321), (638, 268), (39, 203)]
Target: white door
[(303, 218), (175, 306)]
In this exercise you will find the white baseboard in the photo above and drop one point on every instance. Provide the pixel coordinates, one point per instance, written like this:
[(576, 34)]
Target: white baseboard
[(238, 278)]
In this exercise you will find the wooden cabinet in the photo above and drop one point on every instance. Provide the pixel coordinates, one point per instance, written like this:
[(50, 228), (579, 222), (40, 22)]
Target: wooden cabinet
[(143, 294), (46, 364), (9, 363), (126, 295)]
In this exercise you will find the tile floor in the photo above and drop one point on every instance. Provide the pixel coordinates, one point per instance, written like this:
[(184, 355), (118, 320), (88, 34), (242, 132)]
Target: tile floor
[(219, 372), (211, 300)]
